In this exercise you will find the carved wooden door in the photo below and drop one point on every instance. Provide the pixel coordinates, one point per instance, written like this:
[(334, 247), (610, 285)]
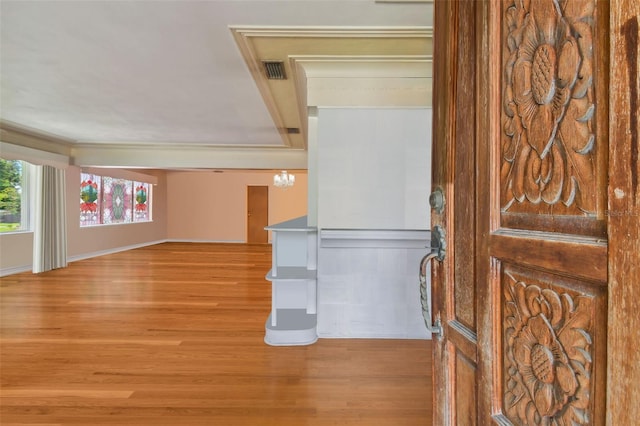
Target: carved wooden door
[(521, 152)]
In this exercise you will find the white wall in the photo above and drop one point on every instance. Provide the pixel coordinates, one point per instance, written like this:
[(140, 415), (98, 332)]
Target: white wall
[(374, 168), (374, 175)]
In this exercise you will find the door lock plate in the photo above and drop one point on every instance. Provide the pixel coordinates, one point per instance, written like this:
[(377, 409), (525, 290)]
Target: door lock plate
[(436, 200), (438, 242)]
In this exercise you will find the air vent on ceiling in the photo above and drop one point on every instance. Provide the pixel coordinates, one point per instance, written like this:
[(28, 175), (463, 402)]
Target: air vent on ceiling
[(274, 70), (293, 130)]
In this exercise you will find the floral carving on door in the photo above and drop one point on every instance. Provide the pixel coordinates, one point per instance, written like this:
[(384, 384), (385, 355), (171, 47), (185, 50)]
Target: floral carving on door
[(548, 141), (548, 354)]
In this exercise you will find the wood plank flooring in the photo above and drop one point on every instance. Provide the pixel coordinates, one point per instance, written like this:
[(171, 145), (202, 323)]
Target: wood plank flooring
[(172, 334)]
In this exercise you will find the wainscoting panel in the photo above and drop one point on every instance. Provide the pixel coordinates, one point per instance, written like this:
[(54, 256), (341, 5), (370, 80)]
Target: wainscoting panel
[(369, 288)]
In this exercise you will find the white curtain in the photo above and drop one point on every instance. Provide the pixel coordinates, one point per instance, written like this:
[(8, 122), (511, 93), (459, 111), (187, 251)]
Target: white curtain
[(50, 220)]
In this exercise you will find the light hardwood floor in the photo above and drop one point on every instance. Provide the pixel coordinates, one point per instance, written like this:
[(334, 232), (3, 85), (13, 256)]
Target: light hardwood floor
[(172, 334)]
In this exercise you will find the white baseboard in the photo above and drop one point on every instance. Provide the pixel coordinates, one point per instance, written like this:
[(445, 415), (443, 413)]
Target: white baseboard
[(408, 336), (179, 240), (15, 270), (111, 251), (26, 268), (375, 238)]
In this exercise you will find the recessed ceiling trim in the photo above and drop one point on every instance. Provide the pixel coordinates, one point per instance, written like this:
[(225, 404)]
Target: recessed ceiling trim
[(330, 31), (282, 42), (254, 65)]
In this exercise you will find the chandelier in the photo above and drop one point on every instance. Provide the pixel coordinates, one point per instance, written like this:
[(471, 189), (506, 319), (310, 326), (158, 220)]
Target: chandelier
[(284, 180)]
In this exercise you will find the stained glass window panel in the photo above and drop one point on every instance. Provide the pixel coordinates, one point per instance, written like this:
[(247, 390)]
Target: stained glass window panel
[(142, 202), (117, 200), (90, 200)]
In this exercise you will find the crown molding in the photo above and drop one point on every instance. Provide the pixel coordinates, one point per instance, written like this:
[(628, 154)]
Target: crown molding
[(349, 66), (404, 1), (248, 31), (194, 157), (35, 156), (106, 144), (16, 134)]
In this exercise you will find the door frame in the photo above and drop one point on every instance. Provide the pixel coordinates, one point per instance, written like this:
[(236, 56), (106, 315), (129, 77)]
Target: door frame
[(623, 211)]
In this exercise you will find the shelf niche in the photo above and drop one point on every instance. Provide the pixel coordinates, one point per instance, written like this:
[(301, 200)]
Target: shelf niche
[(293, 276)]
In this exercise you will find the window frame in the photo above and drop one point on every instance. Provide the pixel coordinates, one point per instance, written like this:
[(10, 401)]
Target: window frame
[(26, 191)]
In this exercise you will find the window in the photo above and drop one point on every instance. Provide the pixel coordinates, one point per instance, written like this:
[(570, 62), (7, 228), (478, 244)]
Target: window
[(116, 200), (90, 201), (141, 198), (108, 200), (14, 202)]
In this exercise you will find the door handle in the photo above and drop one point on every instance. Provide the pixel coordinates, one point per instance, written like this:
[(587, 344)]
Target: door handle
[(438, 251)]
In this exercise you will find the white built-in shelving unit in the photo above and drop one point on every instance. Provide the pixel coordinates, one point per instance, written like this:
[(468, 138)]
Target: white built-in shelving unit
[(293, 277)]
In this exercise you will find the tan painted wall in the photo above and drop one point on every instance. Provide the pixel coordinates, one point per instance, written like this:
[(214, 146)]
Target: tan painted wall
[(94, 239), (16, 250), (209, 206), (193, 206)]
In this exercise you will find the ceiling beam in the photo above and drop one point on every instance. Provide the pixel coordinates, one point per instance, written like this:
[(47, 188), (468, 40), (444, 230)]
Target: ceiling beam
[(197, 157)]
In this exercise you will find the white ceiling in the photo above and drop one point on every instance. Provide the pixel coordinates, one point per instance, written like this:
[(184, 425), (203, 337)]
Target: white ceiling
[(167, 73)]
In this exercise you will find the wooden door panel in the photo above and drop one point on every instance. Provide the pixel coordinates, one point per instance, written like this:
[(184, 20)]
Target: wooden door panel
[(521, 128), (552, 348), (464, 201), (462, 339), (465, 401), (552, 154), (552, 277), (455, 279)]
